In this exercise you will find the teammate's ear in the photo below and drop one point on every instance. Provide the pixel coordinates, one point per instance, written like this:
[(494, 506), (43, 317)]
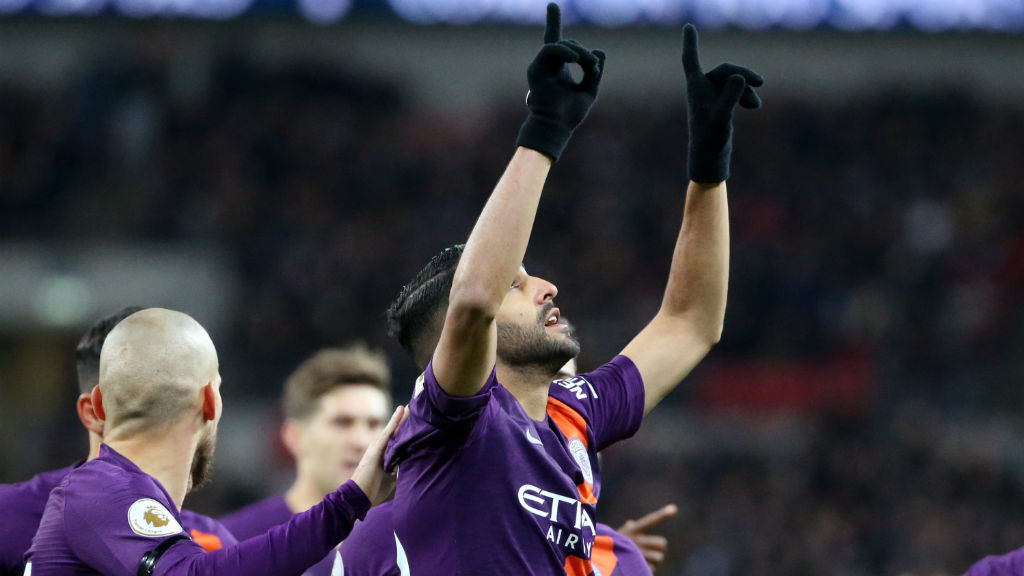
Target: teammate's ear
[(209, 402), (291, 436), (87, 414), (97, 403)]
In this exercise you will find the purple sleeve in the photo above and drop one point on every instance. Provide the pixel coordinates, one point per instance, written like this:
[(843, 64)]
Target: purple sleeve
[(97, 523), (611, 398), (1011, 564), (289, 548), (432, 413)]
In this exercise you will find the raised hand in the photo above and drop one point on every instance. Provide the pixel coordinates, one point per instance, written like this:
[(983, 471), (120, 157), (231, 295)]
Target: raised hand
[(710, 99), (653, 546), (557, 103)]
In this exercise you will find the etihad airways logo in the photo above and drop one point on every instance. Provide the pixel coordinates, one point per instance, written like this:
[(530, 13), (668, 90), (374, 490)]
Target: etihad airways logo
[(575, 385), (554, 506)]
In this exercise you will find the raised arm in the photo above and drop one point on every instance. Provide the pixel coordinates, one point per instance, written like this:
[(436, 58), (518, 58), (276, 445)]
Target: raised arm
[(494, 252), (689, 321)]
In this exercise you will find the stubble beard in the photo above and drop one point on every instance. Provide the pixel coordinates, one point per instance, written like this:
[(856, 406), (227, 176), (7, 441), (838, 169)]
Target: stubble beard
[(532, 347), (202, 461)]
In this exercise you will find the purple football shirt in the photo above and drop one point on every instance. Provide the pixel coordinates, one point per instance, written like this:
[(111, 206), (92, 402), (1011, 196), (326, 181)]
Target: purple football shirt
[(1010, 564), (370, 549), (483, 489), (21, 508), (106, 514), (258, 517)]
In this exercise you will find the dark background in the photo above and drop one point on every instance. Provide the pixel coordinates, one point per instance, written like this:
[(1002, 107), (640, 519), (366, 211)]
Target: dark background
[(281, 182)]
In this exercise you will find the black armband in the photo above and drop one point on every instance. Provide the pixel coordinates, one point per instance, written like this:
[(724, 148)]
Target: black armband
[(149, 559)]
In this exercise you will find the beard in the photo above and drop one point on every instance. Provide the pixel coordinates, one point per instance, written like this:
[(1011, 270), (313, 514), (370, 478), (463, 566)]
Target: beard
[(202, 461), (532, 346)]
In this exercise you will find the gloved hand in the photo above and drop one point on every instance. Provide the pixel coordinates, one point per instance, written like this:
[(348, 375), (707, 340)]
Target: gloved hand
[(710, 101), (557, 103)]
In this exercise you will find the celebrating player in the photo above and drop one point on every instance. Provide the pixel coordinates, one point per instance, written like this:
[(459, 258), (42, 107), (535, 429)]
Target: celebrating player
[(370, 549), (21, 505), (335, 404), (498, 467), (159, 400)]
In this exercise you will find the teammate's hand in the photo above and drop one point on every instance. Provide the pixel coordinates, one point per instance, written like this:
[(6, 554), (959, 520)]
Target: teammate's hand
[(653, 546), (557, 103), (370, 475), (710, 101)]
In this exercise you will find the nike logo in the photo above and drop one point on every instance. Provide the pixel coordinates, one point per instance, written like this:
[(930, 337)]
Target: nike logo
[(532, 439)]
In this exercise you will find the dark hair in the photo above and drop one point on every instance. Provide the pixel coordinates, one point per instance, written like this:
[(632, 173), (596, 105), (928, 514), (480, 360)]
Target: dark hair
[(329, 369), (87, 353), (417, 315)]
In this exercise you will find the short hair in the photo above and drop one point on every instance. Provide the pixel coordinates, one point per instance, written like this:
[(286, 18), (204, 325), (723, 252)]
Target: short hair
[(331, 368), (417, 315), (87, 353)]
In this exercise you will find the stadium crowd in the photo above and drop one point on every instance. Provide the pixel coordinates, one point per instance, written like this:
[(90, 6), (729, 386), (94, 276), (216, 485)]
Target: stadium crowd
[(885, 230)]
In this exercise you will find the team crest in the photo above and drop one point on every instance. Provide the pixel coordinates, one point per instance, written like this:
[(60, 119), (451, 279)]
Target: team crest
[(580, 455), (147, 517)]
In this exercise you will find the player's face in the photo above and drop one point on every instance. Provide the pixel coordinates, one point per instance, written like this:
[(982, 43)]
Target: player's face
[(345, 423), (531, 331)]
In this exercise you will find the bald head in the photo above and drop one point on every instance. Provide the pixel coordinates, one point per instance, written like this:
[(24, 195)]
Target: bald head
[(153, 367)]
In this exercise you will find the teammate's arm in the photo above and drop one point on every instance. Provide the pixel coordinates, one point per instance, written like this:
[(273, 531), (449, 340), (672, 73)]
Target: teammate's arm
[(689, 321), (494, 252)]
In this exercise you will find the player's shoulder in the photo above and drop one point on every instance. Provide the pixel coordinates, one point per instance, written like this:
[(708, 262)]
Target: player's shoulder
[(587, 385), (31, 490), (257, 518)]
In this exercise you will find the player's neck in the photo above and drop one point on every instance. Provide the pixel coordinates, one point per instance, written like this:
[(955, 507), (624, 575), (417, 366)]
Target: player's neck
[(159, 454), (530, 385), (303, 495)]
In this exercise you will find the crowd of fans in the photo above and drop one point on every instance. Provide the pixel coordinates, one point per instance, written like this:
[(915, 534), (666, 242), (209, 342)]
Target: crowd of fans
[(886, 229)]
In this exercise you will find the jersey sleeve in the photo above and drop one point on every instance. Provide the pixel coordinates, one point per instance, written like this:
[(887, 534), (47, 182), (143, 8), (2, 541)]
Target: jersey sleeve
[(289, 548), (436, 419), (110, 528), (1006, 565), (610, 398)]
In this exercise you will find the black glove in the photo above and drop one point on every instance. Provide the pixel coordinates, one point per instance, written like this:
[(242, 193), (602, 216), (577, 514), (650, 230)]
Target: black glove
[(558, 104), (710, 101)]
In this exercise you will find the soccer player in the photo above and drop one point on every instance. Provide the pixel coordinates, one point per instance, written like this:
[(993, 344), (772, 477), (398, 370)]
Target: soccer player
[(159, 400), (370, 549), (335, 403), (21, 505), (498, 468)]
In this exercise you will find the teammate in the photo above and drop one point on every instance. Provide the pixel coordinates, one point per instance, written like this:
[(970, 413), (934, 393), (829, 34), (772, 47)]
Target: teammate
[(21, 505), (498, 469), (335, 403), (159, 400)]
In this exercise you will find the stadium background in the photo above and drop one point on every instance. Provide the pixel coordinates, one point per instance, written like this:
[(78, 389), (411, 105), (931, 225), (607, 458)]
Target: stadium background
[(280, 181)]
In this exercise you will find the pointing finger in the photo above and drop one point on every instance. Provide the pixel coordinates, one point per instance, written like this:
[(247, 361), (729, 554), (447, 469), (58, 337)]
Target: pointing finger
[(691, 60), (553, 31), (652, 519)]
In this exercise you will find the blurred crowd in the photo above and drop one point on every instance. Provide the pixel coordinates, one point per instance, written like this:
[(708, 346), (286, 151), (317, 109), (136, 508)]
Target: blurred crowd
[(885, 229)]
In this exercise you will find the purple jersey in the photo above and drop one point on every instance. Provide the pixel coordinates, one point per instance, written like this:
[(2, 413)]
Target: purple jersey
[(1010, 564), (484, 489), (370, 549), (106, 514), (261, 516), (22, 505)]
